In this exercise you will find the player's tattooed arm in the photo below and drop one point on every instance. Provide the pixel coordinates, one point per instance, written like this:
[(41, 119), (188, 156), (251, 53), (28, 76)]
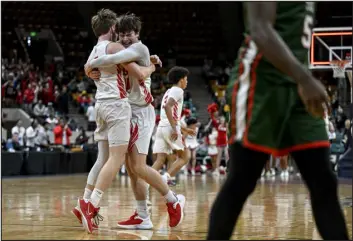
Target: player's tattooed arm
[(261, 18)]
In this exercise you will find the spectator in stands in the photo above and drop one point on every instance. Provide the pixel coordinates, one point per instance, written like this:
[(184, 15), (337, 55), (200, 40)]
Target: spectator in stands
[(330, 129), (42, 138), (63, 101), (31, 134), (62, 133), (52, 121), (340, 119), (19, 97), (47, 94), (39, 109), (9, 89), (28, 98), (84, 101), (82, 138), (20, 131), (91, 115), (50, 109), (347, 134), (12, 144)]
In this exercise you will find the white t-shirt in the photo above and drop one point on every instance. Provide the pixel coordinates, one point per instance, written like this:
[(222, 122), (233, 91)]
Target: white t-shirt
[(21, 132), (31, 136), (91, 114), (177, 94)]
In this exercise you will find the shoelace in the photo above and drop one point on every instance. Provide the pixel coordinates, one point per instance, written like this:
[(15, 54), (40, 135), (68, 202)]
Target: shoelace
[(98, 218)]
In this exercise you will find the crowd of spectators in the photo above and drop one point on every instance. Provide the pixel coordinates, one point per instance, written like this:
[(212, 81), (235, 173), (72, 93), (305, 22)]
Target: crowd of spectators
[(43, 93)]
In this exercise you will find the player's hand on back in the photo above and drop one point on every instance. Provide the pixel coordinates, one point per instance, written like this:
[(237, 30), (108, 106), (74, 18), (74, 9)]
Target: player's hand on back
[(155, 60), (191, 132), (315, 98)]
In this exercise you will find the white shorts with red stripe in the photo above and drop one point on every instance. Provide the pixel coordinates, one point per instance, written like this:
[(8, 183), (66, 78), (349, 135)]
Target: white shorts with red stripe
[(142, 125), (113, 121), (163, 143)]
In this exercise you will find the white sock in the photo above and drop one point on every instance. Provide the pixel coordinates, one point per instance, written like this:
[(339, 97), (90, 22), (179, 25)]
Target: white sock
[(142, 208), (87, 194), (96, 197), (170, 197), (165, 177), (148, 191)]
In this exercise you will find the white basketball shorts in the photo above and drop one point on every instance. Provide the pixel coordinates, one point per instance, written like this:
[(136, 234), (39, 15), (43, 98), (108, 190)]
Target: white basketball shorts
[(142, 125), (113, 121), (191, 143), (163, 143)]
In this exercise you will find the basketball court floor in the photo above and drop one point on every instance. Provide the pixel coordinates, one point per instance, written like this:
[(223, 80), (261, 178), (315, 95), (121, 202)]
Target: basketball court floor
[(40, 208)]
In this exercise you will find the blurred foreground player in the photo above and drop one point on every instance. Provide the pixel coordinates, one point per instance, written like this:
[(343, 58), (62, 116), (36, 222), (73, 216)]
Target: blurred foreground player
[(277, 108)]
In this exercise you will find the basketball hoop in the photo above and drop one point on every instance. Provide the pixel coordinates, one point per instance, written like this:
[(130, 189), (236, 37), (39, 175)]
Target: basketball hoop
[(339, 67)]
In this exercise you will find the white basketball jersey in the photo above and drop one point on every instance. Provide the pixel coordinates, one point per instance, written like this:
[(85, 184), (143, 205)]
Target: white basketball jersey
[(112, 83), (178, 95), (140, 93)]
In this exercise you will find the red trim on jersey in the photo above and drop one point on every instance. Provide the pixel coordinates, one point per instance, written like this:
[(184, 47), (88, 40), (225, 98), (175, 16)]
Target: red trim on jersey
[(175, 112), (121, 82), (148, 96)]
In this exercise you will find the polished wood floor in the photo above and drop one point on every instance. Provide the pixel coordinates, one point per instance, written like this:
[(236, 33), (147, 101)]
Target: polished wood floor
[(39, 208)]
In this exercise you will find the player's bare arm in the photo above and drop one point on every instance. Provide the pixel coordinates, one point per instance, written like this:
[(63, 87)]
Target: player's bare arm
[(117, 54), (135, 70), (188, 131), (169, 113), (261, 17)]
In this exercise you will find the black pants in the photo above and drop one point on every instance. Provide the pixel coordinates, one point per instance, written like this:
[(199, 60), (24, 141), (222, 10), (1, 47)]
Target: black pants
[(245, 168)]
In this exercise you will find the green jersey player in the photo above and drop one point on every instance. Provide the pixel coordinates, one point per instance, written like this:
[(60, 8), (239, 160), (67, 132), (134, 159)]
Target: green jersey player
[(277, 107)]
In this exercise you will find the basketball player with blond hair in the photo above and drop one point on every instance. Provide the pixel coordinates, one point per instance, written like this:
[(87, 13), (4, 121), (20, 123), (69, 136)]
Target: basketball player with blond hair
[(142, 123)]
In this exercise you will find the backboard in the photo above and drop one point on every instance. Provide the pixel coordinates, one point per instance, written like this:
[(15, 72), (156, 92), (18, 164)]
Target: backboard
[(328, 44)]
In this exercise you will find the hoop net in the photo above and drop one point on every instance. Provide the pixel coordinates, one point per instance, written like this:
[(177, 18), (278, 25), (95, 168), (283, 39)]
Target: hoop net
[(339, 68)]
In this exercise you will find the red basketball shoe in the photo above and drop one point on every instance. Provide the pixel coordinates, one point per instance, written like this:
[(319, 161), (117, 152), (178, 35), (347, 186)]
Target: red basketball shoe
[(88, 212), (176, 211), (136, 222)]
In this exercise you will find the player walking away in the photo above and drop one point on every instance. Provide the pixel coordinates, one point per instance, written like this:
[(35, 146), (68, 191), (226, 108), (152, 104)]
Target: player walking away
[(113, 115), (277, 108), (169, 136), (142, 123)]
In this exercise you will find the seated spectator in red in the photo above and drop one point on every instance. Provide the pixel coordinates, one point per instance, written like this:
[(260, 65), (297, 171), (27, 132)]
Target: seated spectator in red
[(28, 96), (19, 97), (47, 94), (84, 100), (62, 133)]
